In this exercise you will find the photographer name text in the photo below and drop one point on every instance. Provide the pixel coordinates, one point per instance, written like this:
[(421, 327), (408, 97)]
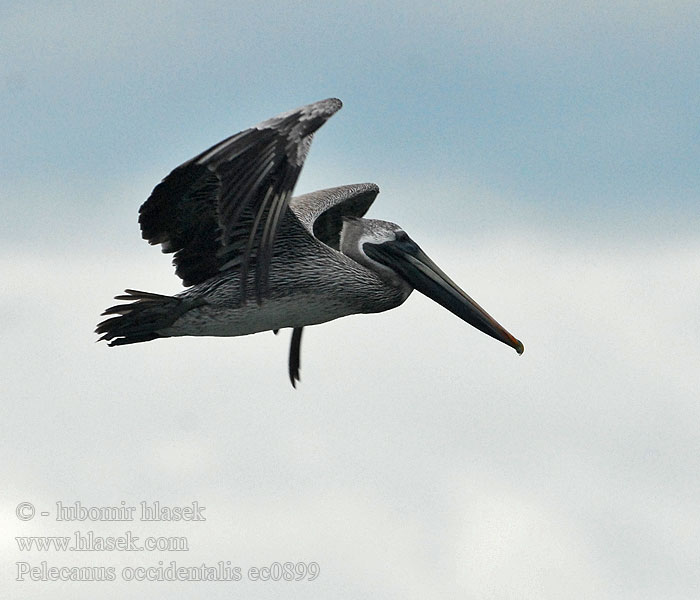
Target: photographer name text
[(143, 511)]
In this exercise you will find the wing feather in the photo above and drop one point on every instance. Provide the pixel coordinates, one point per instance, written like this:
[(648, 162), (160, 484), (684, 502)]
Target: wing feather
[(322, 212), (222, 209)]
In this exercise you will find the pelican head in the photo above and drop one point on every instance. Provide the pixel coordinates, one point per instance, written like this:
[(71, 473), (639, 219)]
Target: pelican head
[(386, 249)]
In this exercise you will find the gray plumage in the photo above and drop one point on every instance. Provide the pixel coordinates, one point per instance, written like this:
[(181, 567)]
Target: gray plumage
[(228, 217)]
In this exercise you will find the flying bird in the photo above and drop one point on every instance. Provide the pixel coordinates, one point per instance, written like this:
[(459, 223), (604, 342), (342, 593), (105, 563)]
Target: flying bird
[(253, 258)]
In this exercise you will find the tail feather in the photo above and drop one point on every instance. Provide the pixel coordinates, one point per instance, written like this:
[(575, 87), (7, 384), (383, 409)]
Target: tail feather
[(141, 319)]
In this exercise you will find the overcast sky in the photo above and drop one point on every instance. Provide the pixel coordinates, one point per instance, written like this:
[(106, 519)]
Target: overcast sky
[(545, 156)]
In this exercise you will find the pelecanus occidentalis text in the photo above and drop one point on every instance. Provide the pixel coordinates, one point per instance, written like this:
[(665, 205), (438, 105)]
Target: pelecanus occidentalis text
[(236, 232)]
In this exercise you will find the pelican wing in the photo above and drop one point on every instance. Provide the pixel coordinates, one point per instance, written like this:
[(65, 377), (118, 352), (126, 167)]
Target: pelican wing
[(223, 208), (322, 212)]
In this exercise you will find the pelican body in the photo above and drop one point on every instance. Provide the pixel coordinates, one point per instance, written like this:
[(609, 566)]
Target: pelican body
[(235, 231)]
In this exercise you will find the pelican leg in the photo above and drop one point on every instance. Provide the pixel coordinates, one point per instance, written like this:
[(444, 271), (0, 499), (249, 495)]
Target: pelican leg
[(295, 356)]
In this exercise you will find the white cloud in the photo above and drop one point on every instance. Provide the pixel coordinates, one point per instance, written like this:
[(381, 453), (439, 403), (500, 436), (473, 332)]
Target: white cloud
[(418, 457), (508, 546)]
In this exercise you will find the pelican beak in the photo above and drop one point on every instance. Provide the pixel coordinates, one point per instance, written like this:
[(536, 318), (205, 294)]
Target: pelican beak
[(405, 257)]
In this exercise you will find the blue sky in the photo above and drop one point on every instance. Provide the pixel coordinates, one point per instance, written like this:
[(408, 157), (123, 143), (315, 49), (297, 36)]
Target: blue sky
[(580, 114), (546, 156)]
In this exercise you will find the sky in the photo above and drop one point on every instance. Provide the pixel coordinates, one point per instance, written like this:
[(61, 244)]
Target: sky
[(545, 155)]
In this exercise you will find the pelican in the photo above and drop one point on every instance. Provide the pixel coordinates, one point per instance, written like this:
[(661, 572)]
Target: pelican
[(253, 258)]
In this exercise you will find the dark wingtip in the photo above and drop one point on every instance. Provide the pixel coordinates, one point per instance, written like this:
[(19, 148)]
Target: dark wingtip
[(328, 106), (335, 104)]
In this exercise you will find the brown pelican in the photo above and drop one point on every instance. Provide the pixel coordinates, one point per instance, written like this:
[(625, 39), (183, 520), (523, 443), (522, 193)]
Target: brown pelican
[(228, 217)]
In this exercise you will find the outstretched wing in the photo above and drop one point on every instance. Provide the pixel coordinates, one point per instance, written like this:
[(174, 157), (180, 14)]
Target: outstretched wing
[(223, 208)]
